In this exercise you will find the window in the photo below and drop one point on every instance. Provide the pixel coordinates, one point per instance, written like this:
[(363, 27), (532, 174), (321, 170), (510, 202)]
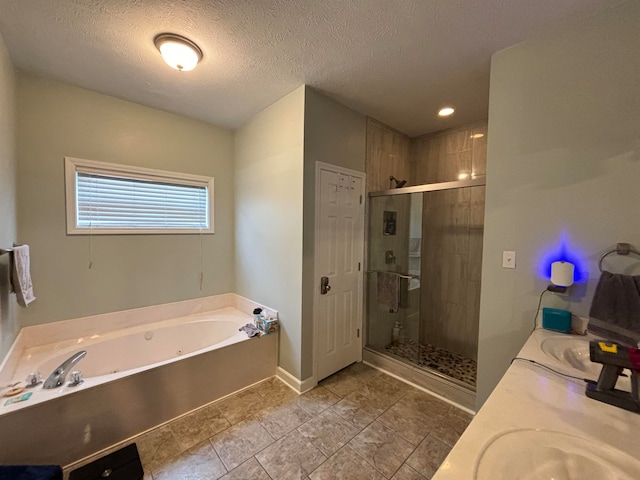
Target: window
[(107, 198)]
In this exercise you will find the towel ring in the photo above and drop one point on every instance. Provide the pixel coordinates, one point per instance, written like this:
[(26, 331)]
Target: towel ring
[(621, 249)]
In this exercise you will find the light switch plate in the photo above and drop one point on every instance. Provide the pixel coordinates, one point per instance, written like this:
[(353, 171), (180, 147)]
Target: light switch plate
[(508, 259)]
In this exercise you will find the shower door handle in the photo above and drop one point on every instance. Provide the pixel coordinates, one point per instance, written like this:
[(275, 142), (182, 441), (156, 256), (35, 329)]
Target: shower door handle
[(324, 285)]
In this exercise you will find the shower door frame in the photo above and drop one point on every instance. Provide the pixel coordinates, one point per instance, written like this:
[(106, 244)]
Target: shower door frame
[(479, 181), (431, 187)]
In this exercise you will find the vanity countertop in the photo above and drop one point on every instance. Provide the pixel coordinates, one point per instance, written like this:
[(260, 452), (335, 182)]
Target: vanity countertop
[(531, 410)]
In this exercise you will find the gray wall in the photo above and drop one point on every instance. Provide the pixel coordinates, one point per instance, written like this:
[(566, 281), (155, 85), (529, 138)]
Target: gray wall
[(563, 162), (275, 155), (57, 120), (335, 134), (8, 230), (268, 208)]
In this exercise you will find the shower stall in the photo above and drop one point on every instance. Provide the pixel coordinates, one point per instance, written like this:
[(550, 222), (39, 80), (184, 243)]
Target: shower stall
[(424, 258)]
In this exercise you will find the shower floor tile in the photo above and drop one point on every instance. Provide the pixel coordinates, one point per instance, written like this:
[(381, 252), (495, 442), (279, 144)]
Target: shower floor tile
[(436, 358)]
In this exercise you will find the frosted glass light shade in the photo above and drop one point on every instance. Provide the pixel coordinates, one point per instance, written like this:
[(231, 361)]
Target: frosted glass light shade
[(178, 52), (446, 111), (562, 273)]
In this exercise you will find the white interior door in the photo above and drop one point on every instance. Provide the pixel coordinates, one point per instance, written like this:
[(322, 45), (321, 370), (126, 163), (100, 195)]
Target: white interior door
[(339, 259)]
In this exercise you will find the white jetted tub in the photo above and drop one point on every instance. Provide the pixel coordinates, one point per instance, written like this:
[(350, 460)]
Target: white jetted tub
[(134, 379)]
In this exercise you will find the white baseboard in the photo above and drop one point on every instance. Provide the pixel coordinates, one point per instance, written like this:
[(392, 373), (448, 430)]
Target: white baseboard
[(295, 384)]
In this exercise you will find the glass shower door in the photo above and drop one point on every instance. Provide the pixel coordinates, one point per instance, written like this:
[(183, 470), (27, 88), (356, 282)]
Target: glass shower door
[(424, 257), (393, 275)]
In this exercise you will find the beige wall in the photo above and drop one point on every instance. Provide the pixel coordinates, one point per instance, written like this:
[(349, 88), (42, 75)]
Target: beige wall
[(335, 134), (563, 160), (387, 155), (57, 120), (269, 160), (8, 229)]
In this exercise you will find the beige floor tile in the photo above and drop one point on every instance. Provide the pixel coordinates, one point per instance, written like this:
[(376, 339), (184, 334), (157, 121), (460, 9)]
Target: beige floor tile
[(280, 420), (350, 379), (382, 448), (275, 392), (290, 458), (341, 384), (212, 417), (425, 403), (365, 422), (451, 426), (405, 472), (408, 421), (240, 406), (428, 456), (317, 400), (157, 447), (249, 470), (240, 442), (198, 463), (386, 389), (358, 409), (363, 371), (328, 431), (189, 431), (346, 464), (198, 426)]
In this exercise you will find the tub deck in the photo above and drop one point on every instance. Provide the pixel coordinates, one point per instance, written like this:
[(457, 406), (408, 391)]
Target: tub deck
[(71, 426)]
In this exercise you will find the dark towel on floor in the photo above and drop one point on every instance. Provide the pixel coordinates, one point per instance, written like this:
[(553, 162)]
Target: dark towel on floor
[(30, 472), (389, 291), (615, 309)]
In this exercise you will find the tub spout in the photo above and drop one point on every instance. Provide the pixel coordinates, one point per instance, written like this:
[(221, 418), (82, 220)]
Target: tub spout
[(59, 375)]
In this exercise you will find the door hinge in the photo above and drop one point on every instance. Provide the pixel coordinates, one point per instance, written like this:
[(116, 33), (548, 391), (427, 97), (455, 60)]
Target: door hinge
[(360, 199), (358, 266), (358, 332)]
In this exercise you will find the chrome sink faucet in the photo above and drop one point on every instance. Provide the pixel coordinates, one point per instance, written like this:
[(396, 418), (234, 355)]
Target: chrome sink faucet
[(59, 375)]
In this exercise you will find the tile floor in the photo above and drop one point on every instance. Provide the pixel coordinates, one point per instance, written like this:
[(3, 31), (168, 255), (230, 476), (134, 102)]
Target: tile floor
[(436, 358), (357, 424)]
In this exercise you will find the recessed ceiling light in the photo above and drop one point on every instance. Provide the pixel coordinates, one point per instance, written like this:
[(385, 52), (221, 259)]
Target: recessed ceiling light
[(477, 135), (177, 51), (446, 111)]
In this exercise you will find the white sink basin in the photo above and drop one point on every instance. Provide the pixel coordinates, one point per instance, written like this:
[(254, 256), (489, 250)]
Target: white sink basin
[(572, 352), (531, 454), (572, 357)]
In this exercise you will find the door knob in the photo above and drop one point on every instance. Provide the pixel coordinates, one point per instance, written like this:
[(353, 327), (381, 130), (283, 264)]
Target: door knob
[(324, 285)]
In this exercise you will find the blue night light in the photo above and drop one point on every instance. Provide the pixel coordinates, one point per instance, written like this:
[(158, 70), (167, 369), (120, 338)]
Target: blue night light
[(562, 252)]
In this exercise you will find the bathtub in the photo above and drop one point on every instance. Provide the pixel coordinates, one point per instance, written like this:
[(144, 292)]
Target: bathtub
[(134, 379)]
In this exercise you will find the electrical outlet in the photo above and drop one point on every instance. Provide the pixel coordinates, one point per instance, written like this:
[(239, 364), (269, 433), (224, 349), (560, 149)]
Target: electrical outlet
[(508, 259)]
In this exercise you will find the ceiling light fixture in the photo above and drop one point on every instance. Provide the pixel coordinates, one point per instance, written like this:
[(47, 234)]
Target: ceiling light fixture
[(446, 111), (177, 51)]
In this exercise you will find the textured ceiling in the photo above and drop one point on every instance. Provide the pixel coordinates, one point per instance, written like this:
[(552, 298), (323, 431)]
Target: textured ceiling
[(395, 60)]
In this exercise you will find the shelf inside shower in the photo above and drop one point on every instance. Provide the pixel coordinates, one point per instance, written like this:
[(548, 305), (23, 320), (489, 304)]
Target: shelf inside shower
[(436, 358)]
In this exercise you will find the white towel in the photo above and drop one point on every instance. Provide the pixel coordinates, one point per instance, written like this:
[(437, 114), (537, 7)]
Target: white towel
[(20, 275)]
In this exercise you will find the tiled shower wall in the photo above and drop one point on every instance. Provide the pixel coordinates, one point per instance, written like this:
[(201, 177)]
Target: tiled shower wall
[(452, 230), (387, 154)]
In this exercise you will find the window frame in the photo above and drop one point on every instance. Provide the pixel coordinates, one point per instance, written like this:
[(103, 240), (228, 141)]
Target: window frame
[(72, 165)]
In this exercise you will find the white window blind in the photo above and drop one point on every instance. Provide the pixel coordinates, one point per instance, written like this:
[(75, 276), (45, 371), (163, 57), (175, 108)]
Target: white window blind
[(109, 198)]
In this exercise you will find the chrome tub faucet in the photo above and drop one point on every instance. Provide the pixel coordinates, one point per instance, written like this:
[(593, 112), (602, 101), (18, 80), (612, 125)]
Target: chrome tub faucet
[(59, 375)]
